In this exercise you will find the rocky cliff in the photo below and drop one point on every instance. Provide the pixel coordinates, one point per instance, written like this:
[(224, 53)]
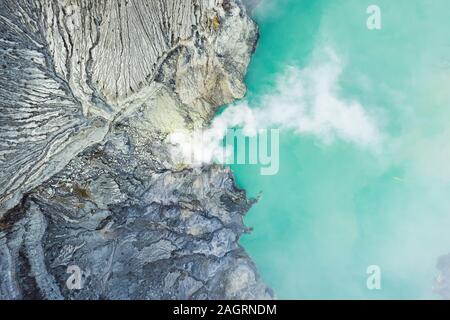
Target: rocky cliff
[(91, 204)]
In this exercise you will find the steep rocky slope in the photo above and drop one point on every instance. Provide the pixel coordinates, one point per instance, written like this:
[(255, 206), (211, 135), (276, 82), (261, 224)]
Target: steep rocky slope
[(89, 92)]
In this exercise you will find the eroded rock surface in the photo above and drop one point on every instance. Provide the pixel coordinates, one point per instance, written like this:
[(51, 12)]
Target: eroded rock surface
[(89, 92)]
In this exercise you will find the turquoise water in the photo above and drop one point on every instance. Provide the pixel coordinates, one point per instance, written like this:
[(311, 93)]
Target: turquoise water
[(334, 209)]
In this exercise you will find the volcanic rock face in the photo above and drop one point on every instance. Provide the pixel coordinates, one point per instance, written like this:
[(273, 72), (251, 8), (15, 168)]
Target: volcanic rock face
[(89, 92)]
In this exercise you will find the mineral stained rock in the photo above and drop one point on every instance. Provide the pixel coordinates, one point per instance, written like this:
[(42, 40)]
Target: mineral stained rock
[(91, 204)]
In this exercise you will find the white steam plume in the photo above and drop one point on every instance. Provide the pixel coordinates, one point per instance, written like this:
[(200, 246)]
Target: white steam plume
[(304, 100)]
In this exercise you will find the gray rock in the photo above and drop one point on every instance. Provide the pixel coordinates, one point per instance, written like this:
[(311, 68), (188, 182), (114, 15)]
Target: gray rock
[(442, 280), (89, 91)]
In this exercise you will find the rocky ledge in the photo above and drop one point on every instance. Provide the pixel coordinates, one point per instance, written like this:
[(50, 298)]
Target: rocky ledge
[(91, 204)]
